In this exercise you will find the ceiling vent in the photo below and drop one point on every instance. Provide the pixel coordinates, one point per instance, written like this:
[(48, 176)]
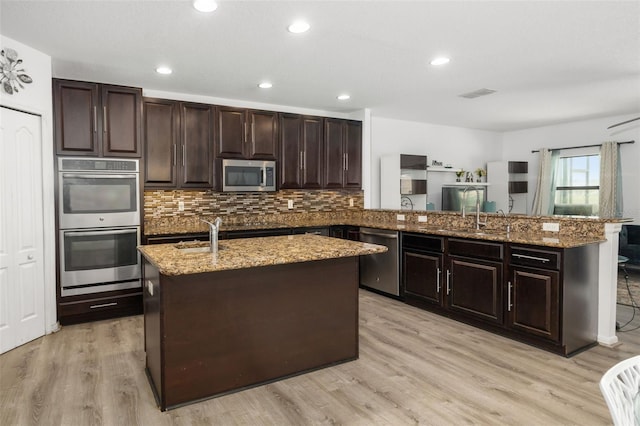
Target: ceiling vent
[(477, 93)]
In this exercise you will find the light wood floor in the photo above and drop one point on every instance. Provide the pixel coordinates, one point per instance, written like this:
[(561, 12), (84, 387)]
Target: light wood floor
[(414, 368)]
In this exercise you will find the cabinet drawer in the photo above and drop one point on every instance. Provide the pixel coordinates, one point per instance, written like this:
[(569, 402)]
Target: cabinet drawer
[(98, 308), (423, 242), (525, 256), (177, 238), (476, 249)]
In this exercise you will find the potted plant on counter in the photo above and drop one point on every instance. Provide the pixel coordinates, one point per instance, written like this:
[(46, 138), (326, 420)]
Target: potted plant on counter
[(480, 172), (459, 175)]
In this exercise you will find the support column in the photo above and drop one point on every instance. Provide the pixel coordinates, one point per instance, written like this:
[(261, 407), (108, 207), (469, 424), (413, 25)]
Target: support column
[(608, 285)]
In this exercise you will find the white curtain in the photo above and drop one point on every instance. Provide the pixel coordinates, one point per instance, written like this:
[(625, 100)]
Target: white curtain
[(610, 181), (544, 197)]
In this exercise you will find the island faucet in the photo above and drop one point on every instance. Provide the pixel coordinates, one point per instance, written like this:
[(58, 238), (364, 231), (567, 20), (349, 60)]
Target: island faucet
[(213, 234), (464, 202)]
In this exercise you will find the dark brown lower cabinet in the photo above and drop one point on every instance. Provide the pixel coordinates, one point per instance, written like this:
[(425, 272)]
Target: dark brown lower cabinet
[(422, 267), (534, 302), (474, 288), (347, 232), (553, 296), (544, 296), (422, 272), (474, 279)]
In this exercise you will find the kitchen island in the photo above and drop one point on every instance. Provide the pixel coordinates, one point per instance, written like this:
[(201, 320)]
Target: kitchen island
[(260, 310)]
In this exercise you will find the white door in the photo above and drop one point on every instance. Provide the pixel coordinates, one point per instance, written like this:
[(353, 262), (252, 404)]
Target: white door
[(21, 229)]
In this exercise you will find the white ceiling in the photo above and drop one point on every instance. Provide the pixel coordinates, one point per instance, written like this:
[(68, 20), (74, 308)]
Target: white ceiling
[(550, 61)]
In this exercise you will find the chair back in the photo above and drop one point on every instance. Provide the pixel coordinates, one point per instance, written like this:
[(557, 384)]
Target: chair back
[(620, 386)]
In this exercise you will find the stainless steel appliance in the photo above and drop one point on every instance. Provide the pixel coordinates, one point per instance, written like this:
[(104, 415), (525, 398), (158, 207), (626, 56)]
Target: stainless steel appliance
[(99, 225), (380, 271), (98, 192), (100, 259), (248, 175), (453, 196)]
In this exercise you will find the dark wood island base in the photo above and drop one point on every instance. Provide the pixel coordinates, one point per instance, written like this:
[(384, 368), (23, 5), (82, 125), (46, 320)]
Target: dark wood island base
[(208, 334)]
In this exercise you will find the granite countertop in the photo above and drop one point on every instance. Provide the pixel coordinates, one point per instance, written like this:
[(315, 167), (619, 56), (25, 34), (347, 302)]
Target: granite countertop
[(526, 236), (252, 252), (548, 239)]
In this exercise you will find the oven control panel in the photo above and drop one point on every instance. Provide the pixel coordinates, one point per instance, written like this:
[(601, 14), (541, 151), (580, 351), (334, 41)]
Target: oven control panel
[(97, 165)]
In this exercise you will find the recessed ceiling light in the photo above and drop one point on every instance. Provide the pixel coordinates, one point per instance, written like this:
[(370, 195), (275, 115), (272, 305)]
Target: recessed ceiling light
[(205, 5), (265, 85), (343, 97), (299, 27), (440, 61), (164, 70)]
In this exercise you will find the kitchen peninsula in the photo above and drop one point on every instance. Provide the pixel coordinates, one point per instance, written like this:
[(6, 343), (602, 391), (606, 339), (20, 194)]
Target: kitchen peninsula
[(260, 310)]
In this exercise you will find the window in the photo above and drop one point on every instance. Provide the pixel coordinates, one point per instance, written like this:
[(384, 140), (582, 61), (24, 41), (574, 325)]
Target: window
[(578, 185)]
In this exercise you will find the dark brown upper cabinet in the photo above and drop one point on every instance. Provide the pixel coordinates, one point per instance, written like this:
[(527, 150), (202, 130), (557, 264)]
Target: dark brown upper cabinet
[(161, 120), (301, 141), (178, 144), (343, 154), (248, 134), (197, 124), (97, 119)]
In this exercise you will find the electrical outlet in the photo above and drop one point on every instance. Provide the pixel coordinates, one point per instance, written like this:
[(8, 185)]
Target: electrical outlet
[(180, 206), (553, 227), (290, 204), (350, 202), (400, 217), (422, 218)]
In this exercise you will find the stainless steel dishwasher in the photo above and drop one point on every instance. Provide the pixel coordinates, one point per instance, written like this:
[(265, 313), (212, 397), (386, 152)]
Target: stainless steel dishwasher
[(380, 271)]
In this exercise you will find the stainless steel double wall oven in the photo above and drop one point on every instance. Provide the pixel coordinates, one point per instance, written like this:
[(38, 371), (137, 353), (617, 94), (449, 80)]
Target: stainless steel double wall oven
[(99, 222)]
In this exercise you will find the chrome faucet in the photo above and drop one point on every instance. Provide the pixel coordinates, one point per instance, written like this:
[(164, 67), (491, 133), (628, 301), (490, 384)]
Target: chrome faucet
[(464, 202), (508, 226), (214, 228)]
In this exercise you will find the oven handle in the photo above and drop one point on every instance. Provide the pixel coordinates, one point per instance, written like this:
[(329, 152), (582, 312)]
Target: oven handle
[(95, 234), (71, 175)]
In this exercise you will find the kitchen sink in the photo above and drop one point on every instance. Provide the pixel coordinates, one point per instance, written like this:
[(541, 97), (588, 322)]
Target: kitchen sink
[(467, 231), (196, 247), (481, 232)]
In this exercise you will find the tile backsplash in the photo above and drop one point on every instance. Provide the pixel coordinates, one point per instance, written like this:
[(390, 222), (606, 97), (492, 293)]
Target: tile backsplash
[(160, 204)]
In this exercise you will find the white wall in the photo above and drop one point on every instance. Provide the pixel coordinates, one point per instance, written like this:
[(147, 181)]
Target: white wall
[(35, 98), (462, 148), (517, 146)]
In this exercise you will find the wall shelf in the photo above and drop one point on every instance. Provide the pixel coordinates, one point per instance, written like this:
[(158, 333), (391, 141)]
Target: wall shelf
[(442, 169), (467, 184)]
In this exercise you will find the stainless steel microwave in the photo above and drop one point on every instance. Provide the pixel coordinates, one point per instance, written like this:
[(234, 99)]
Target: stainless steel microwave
[(248, 176)]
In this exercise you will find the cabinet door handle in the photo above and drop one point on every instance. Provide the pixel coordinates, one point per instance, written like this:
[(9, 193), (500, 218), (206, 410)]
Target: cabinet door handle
[(104, 119), (301, 165), (438, 281), (245, 132), (103, 305), (175, 154), (184, 155), (346, 161), (253, 132), (524, 256), (509, 304), (95, 119), (448, 282), (304, 159)]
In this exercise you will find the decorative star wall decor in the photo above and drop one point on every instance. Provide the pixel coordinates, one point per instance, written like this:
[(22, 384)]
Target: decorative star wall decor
[(12, 76)]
